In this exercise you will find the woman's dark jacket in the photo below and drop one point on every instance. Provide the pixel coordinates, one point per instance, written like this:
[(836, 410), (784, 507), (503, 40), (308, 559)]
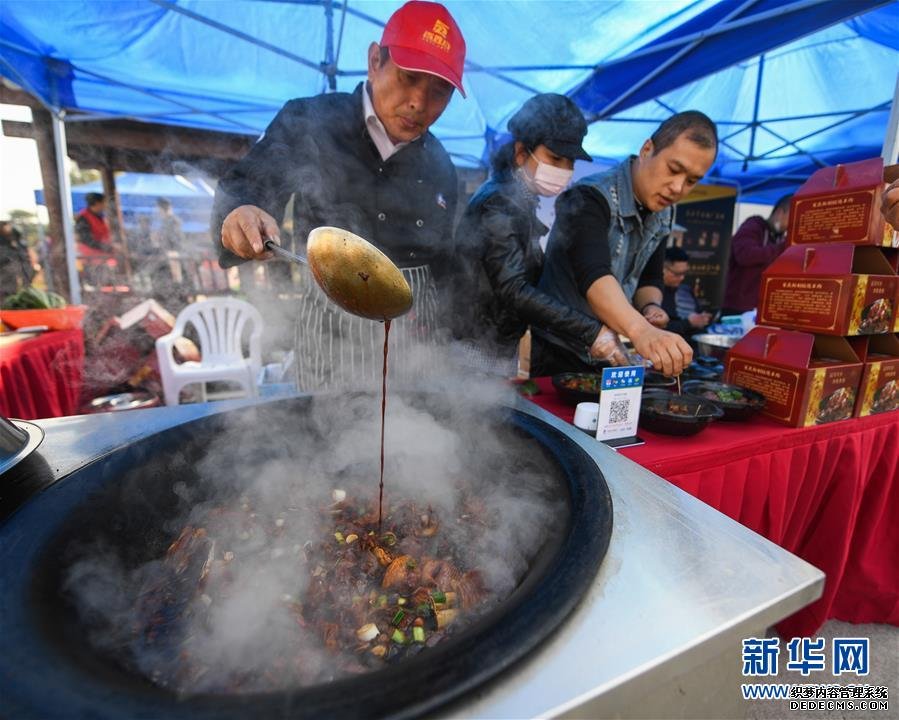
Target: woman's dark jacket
[(499, 261)]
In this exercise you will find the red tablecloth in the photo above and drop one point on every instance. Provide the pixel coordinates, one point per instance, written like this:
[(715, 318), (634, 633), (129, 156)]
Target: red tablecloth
[(41, 377), (829, 494)]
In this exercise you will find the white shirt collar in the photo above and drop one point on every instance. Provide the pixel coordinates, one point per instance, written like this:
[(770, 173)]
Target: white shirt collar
[(376, 128)]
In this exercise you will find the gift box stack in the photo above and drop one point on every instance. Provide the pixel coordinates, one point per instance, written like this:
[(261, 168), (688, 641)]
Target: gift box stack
[(826, 347)]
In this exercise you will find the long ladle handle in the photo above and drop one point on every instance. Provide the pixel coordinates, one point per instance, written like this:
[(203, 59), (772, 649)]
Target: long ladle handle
[(286, 254)]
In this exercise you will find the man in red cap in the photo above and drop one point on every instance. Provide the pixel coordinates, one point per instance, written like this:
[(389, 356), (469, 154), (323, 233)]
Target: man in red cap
[(364, 161)]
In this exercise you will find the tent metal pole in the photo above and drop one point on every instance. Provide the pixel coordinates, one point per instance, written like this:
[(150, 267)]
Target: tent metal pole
[(881, 106), (236, 33), (755, 111), (890, 152), (328, 65), (65, 197), (727, 25)]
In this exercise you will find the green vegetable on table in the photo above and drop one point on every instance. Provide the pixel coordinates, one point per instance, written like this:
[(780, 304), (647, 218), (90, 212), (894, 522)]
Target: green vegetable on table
[(32, 298)]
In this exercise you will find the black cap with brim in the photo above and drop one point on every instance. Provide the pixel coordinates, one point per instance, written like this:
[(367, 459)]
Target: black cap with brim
[(552, 120), (572, 150)]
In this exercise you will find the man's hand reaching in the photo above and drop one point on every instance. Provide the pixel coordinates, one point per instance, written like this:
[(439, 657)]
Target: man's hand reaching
[(667, 351), (655, 315), (608, 347), (245, 230)]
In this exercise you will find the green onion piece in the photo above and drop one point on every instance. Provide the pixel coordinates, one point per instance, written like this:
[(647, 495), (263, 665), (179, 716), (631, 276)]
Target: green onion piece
[(399, 637), (401, 601), (438, 596), (418, 634), (397, 619), (338, 536), (382, 600)]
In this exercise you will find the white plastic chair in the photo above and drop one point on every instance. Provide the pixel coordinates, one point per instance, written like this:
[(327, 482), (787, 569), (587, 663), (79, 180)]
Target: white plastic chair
[(220, 324)]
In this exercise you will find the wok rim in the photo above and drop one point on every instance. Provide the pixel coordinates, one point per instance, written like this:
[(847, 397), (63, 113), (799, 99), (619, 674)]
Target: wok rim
[(27, 650)]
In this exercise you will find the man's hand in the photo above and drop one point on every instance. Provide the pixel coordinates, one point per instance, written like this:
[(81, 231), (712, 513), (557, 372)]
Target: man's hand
[(699, 320), (655, 315), (667, 351), (608, 347), (890, 204), (245, 230)]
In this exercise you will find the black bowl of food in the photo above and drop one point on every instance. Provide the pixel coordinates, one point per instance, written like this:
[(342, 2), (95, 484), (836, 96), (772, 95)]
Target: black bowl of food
[(655, 379), (656, 392), (574, 388), (677, 414), (738, 403)]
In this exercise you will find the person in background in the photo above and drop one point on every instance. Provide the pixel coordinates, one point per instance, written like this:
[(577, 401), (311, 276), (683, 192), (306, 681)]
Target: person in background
[(140, 240), (91, 229), (168, 234), (605, 252), (363, 161), (890, 204), (498, 240), (678, 300), (16, 270), (753, 248)]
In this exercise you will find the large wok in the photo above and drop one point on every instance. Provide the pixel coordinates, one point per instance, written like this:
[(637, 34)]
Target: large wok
[(51, 668)]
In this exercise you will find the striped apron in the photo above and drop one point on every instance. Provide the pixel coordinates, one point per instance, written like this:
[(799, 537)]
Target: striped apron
[(335, 350)]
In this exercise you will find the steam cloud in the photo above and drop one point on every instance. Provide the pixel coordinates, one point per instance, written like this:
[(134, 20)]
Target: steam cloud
[(259, 492)]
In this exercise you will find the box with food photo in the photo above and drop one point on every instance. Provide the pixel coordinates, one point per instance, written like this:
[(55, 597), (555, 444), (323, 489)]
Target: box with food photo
[(830, 289), (878, 391), (806, 379)]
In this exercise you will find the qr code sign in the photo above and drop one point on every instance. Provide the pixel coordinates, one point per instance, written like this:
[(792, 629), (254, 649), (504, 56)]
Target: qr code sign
[(618, 410)]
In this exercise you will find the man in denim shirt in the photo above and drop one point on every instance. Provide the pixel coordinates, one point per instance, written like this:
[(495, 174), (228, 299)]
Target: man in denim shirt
[(606, 250)]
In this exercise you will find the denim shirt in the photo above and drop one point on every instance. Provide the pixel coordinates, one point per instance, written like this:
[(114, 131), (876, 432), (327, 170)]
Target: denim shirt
[(629, 234)]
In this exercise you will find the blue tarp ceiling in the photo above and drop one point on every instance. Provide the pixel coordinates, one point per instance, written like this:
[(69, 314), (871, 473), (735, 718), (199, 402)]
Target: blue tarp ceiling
[(793, 84)]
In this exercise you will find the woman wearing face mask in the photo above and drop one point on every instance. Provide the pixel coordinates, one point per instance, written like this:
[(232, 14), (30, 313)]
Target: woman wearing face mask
[(498, 252)]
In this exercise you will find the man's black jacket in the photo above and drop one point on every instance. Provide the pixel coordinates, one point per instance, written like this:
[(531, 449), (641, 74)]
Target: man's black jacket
[(318, 150)]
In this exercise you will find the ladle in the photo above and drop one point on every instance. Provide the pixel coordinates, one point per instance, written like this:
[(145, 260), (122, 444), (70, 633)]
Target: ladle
[(353, 273)]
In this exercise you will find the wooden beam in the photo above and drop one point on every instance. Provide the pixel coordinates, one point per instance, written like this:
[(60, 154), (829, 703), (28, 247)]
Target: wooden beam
[(152, 138), (16, 96), (43, 134)]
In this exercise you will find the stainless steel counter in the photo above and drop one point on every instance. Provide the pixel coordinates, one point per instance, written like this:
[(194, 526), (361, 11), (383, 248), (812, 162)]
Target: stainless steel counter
[(680, 586)]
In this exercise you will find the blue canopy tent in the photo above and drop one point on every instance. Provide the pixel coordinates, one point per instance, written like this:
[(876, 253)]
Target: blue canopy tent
[(230, 66), (793, 84), (191, 198)]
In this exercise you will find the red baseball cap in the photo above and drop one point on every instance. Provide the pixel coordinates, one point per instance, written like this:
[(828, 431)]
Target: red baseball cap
[(423, 37)]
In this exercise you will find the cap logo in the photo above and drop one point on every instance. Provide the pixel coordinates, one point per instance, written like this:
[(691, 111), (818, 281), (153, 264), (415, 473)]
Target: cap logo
[(437, 36)]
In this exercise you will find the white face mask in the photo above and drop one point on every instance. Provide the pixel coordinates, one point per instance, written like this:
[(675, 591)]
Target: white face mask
[(548, 180)]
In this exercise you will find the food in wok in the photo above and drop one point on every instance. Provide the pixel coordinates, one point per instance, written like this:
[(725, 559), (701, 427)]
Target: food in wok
[(367, 599)]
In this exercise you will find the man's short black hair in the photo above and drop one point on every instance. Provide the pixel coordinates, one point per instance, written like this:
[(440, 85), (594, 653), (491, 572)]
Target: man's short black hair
[(675, 254), (699, 128), (163, 203), (782, 204), (93, 198)]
